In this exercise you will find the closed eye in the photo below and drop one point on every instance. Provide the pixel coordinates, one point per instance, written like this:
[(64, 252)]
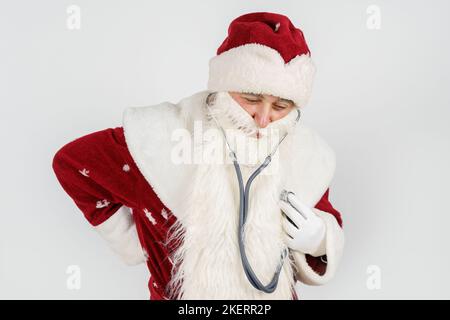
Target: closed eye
[(279, 108), (251, 100)]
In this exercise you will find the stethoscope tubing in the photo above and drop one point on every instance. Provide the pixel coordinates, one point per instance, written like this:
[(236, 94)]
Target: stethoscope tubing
[(243, 209), (244, 196)]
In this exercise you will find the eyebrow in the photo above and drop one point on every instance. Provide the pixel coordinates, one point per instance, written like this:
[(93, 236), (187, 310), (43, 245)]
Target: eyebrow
[(253, 94), (286, 100)]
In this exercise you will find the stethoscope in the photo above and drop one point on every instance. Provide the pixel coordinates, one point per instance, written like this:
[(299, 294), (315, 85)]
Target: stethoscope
[(244, 192)]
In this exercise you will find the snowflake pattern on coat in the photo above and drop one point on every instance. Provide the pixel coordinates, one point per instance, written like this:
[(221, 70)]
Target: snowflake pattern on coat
[(84, 172), (102, 203), (105, 152), (164, 214), (148, 214)]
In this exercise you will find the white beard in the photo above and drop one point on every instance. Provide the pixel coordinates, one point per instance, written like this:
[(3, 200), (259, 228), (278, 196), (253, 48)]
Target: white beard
[(207, 263)]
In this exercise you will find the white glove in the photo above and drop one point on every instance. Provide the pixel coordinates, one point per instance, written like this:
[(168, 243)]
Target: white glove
[(120, 232), (308, 233)]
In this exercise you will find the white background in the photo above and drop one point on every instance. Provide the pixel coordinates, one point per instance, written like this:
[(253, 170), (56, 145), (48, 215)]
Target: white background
[(381, 100)]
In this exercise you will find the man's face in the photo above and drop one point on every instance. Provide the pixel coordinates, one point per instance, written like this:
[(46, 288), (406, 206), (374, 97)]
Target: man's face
[(262, 107)]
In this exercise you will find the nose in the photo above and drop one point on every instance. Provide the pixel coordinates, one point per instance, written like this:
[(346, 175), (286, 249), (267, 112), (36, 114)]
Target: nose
[(262, 116)]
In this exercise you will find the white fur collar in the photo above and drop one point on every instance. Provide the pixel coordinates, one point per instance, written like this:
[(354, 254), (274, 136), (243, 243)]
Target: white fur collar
[(149, 133)]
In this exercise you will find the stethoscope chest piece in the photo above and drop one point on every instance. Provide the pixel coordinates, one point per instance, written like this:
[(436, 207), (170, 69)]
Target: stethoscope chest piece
[(244, 195)]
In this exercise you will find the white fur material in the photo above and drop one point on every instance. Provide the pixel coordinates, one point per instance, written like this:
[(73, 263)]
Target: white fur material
[(209, 257), (258, 68), (204, 199), (148, 134), (120, 232), (334, 248)]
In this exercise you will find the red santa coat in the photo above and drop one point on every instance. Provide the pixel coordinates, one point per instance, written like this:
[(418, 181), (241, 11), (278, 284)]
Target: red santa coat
[(99, 173)]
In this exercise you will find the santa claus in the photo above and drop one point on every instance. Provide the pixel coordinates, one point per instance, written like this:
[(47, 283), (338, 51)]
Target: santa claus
[(224, 195)]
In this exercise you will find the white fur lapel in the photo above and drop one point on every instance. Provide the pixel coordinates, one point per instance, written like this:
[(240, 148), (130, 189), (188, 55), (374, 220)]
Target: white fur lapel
[(148, 133)]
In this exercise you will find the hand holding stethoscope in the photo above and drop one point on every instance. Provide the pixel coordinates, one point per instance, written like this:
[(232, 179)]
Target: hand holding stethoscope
[(306, 238), (304, 230)]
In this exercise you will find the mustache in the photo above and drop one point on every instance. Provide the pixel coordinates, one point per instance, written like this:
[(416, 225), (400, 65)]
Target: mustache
[(233, 116)]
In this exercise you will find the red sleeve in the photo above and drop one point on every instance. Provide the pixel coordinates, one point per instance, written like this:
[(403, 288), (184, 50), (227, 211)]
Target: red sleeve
[(324, 204), (98, 173)]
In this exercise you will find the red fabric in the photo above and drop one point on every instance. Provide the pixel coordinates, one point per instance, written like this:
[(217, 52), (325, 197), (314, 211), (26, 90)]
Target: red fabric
[(260, 27), (324, 204), (102, 156), (104, 153)]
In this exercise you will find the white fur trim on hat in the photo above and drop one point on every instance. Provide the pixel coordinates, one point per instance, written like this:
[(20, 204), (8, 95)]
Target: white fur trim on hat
[(260, 69)]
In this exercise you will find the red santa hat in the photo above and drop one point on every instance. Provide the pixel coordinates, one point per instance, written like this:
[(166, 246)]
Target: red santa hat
[(263, 53)]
